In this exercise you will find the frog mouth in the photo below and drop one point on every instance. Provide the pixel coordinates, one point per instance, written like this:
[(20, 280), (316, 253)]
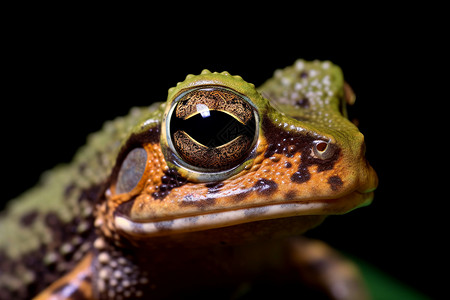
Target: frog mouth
[(226, 218)]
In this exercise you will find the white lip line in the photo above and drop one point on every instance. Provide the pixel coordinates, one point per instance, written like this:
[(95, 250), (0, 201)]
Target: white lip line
[(234, 217)]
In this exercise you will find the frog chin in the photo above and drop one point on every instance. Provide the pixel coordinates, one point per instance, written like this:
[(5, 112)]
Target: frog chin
[(225, 218)]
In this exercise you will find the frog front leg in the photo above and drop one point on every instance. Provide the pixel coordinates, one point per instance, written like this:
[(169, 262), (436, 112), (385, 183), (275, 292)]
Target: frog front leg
[(107, 272), (117, 273), (76, 285), (324, 268)]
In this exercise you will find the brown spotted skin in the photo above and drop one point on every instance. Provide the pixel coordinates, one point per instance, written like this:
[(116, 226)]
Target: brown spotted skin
[(181, 228)]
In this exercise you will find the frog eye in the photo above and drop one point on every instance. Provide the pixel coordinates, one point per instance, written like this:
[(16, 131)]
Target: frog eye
[(131, 170), (323, 149), (211, 128)]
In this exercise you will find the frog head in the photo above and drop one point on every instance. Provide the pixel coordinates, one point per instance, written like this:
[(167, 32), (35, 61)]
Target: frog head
[(224, 161)]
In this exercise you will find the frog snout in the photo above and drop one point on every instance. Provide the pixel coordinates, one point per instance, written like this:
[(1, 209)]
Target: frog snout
[(368, 178)]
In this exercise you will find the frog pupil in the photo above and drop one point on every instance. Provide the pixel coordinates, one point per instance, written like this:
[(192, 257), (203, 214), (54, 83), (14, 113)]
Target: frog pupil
[(212, 129)]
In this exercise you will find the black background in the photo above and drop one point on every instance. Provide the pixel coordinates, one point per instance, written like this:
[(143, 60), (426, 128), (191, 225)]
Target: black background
[(63, 80)]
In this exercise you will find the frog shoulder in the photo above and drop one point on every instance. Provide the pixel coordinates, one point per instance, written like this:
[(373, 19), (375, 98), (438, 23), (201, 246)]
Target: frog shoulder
[(58, 189)]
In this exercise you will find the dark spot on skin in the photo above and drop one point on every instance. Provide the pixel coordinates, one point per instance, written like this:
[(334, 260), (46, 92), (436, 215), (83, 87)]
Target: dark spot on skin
[(335, 182), (82, 167), (290, 195), (69, 189), (170, 180), (190, 200), (214, 187), (29, 218), (265, 187), (303, 102), (301, 176), (242, 195), (52, 220), (92, 194), (287, 165), (304, 74)]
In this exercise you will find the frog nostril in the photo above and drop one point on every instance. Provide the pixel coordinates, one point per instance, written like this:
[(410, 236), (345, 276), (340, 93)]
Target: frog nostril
[(321, 146), (322, 149)]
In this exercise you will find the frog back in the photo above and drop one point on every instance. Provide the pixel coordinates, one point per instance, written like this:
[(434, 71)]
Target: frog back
[(49, 228)]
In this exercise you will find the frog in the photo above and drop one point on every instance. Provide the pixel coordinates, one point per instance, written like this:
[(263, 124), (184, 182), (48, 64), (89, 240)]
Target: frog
[(205, 194)]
